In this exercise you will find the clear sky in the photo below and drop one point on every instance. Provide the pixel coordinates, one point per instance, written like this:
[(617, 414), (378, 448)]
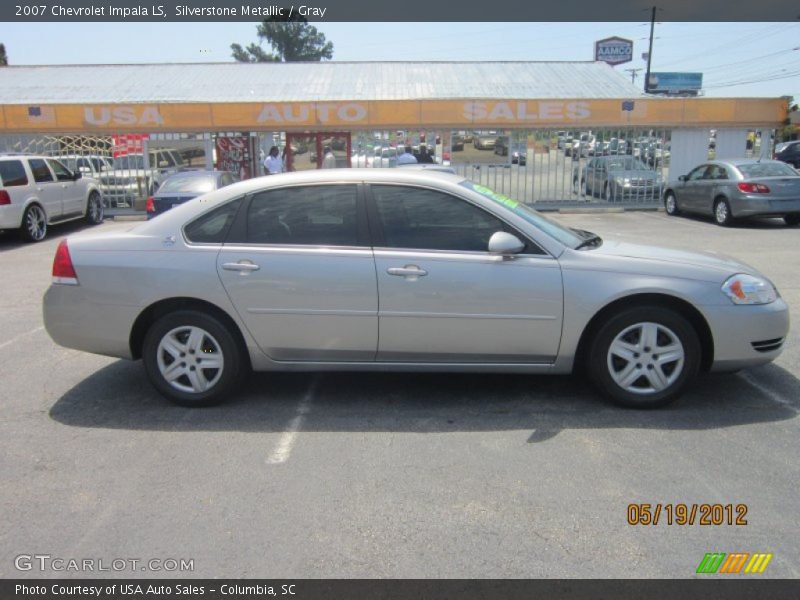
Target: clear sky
[(736, 59)]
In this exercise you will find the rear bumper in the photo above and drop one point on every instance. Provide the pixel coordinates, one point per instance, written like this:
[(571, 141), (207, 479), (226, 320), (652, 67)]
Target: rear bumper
[(11, 216), (74, 321), (754, 207)]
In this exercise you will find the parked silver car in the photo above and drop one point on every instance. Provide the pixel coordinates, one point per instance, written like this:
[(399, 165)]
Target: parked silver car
[(617, 178), (301, 271), (732, 189)]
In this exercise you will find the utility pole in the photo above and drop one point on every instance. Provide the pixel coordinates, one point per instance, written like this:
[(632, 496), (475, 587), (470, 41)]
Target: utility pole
[(634, 73), (650, 52)]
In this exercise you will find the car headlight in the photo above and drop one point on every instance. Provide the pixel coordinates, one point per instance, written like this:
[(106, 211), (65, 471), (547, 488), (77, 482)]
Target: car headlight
[(747, 289)]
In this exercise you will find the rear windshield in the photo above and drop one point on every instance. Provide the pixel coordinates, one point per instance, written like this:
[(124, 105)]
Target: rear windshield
[(752, 170), (12, 173), (191, 185)]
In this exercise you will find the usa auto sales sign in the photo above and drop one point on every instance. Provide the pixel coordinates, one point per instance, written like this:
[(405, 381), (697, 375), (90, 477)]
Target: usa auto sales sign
[(613, 50)]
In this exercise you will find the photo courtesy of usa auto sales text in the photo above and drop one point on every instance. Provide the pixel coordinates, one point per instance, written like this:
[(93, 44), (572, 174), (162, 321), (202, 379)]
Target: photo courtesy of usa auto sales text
[(158, 591)]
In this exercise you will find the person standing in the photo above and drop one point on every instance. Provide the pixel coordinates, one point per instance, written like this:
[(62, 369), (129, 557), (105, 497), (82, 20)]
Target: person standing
[(407, 158), (328, 158), (273, 163)]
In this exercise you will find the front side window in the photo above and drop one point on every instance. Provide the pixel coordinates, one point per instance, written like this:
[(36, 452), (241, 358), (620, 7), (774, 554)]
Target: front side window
[(12, 173), (319, 215), (427, 219), (41, 174), (213, 227), (698, 173), (62, 173)]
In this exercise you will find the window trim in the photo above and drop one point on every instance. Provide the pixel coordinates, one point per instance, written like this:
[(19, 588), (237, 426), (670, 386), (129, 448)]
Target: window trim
[(379, 240)]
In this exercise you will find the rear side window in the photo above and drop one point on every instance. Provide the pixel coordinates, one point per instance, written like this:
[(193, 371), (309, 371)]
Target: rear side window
[(62, 173), (41, 173), (12, 173), (212, 227), (319, 215)]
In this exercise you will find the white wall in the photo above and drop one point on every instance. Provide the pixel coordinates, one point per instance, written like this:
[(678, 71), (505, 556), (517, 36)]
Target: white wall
[(731, 143), (688, 148)]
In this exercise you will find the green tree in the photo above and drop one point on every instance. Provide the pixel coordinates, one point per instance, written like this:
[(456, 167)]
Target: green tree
[(292, 39), (3, 57)]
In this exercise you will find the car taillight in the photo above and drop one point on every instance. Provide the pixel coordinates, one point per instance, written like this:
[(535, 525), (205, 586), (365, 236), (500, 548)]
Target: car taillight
[(753, 188), (4, 198), (150, 205), (63, 271)]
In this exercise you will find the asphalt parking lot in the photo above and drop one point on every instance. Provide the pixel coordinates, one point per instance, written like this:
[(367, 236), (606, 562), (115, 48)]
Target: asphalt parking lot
[(397, 475)]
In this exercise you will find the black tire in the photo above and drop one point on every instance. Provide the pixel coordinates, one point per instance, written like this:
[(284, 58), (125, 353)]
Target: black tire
[(628, 327), (792, 220), (671, 204), (605, 191), (215, 341), (94, 209), (722, 212), (34, 224)]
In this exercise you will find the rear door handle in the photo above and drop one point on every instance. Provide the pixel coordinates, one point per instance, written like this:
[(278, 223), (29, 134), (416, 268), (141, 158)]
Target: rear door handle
[(410, 271), (243, 266)]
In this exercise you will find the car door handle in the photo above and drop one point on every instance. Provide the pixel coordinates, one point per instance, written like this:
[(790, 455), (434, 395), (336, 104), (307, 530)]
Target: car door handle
[(407, 271), (242, 266)]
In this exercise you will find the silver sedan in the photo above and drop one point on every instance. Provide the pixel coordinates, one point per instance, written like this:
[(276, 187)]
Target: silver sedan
[(402, 270), (733, 189)]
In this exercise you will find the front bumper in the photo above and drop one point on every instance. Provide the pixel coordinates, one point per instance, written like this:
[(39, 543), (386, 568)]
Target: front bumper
[(747, 336)]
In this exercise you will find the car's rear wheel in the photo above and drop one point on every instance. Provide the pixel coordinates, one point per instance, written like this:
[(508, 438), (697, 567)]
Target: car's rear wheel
[(792, 220), (671, 204), (643, 357), (94, 209), (34, 224), (192, 358), (722, 212)]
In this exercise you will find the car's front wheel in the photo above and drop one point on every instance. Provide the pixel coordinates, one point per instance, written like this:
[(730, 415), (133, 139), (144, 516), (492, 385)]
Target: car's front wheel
[(192, 358), (94, 209), (643, 357), (671, 204)]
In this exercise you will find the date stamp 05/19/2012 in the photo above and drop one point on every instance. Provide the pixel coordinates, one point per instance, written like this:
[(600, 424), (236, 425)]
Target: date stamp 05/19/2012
[(687, 514)]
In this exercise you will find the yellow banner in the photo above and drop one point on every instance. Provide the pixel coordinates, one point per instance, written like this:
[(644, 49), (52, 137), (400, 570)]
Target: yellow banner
[(401, 114)]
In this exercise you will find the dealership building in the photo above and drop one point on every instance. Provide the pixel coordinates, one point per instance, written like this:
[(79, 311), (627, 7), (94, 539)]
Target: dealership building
[(528, 129)]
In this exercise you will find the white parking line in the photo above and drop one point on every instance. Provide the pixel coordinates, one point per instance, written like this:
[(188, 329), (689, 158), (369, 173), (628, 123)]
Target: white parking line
[(767, 392), (286, 442), (20, 336)]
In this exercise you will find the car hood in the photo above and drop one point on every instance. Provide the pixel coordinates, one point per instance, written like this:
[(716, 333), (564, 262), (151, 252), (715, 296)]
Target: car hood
[(672, 258)]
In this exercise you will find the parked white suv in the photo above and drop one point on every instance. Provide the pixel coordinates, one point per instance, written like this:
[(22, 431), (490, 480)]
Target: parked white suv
[(37, 191)]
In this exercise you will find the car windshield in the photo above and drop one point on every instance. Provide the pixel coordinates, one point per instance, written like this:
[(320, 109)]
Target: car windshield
[(626, 164), (770, 169), (130, 161), (555, 230), (197, 184)]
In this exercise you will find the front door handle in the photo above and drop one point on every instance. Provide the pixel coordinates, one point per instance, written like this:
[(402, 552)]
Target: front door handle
[(410, 271), (243, 266)]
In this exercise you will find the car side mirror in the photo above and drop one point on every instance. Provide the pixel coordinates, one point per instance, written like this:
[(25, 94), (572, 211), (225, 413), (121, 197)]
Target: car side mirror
[(163, 163), (505, 243), (683, 178), (76, 175)]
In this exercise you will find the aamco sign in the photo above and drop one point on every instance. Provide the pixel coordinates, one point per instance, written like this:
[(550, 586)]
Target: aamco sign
[(613, 50)]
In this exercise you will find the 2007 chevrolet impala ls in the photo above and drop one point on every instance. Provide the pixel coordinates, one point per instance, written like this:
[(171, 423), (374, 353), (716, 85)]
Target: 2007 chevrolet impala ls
[(404, 271)]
